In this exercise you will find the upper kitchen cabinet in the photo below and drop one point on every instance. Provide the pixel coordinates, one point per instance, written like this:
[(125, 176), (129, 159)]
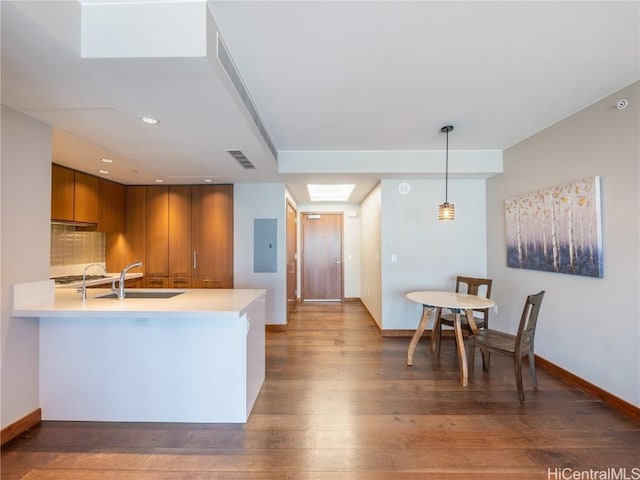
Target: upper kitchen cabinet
[(212, 239), (110, 206), (85, 202), (75, 196), (62, 193)]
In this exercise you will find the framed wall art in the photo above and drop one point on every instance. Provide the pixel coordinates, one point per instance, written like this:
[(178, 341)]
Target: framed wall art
[(556, 229)]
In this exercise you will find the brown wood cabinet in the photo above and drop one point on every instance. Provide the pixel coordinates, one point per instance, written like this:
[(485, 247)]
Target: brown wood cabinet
[(85, 201), (182, 233), (168, 233), (110, 206), (62, 193), (157, 232), (212, 236), (156, 282), (179, 282), (80, 197), (134, 283), (128, 246), (180, 253)]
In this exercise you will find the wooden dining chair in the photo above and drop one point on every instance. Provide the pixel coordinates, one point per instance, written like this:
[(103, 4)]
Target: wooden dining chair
[(472, 286), (517, 345)]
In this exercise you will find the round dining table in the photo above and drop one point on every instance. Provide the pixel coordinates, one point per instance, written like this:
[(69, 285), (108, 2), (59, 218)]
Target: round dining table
[(433, 302)]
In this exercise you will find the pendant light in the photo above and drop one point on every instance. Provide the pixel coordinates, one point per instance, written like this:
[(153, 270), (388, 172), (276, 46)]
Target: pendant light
[(446, 211)]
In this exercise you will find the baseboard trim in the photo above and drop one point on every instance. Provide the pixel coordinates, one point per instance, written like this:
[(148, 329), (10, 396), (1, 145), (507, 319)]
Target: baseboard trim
[(275, 327), (615, 402), (20, 426), (352, 300)]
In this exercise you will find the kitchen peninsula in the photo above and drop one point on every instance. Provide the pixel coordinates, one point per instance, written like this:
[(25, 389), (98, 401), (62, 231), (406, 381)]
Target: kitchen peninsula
[(196, 356)]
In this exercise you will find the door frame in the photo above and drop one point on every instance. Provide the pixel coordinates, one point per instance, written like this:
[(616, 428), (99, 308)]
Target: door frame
[(291, 230)]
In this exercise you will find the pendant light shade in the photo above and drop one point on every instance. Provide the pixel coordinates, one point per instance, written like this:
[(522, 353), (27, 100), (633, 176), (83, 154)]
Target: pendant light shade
[(446, 210)]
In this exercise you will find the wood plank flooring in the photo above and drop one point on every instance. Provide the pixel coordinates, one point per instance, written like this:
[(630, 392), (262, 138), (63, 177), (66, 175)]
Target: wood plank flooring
[(339, 403)]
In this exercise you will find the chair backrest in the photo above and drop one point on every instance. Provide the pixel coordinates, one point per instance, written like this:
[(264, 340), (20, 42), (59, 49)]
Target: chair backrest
[(528, 321), (473, 287)]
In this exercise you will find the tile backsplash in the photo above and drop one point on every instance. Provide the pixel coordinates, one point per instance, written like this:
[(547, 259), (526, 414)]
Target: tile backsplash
[(70, 247)]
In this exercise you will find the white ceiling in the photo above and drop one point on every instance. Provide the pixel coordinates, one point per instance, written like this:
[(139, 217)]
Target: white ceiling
[(350, 78)]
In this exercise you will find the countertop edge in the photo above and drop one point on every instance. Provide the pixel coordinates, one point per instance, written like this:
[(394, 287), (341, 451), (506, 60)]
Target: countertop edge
[(193, 303)]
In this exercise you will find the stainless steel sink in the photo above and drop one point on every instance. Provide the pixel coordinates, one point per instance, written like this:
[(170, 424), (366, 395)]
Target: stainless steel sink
[(137, 294)]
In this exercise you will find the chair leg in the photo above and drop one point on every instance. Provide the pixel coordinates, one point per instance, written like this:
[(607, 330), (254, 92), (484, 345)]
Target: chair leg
[(471, 355), (486, 359), (439, 334), (532, 370), (518, 371), (436, 332)]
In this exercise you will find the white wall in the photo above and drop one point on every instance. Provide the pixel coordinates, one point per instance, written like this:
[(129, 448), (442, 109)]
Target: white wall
[(25, 165), (370, 245), (251, 201), (350, 241), (429, 253), (588, 326)]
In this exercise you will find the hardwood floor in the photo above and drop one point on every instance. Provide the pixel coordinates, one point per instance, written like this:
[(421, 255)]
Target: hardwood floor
[(339, 403)]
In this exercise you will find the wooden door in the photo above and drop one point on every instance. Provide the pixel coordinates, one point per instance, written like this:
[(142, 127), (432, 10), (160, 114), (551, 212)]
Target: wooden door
[(212, 236), (292, 261), (322, 257), (180, 234)]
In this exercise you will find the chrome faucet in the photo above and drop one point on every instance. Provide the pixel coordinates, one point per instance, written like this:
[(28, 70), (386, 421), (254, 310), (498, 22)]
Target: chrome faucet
[(120, 290), (83, 288)]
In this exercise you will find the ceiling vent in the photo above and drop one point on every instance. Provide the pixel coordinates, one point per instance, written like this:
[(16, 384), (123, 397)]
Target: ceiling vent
[(241, 159), (227, 63)]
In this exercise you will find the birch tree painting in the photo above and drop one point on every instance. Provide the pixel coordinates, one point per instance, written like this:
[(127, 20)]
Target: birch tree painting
[(557, 229)]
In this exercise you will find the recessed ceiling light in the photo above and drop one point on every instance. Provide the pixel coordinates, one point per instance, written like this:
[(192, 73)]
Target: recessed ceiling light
[(159, 180), (104, 171), (330, 193), (107, 160), (150, 120)]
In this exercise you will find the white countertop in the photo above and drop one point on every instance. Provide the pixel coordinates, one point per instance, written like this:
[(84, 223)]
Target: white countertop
[(193, 303)]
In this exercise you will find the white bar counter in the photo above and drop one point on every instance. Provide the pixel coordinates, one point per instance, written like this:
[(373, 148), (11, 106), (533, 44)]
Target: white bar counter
[(196, 357)]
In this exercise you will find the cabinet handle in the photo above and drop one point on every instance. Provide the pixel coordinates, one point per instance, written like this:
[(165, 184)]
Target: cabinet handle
[(195, 260), (179, 280)]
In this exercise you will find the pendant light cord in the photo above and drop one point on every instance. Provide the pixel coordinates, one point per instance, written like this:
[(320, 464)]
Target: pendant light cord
[(446, 172)]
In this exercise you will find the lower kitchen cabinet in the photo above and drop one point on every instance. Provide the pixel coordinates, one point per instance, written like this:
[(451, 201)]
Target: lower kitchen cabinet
[(134, 283), (179, 282), (157, 282)]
